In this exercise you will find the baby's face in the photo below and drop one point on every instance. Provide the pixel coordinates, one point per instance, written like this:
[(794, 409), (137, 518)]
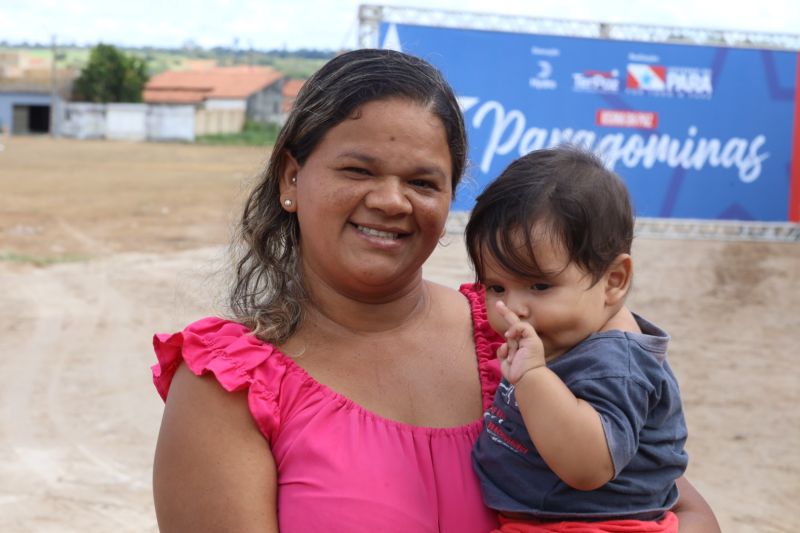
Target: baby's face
[(562, 303)]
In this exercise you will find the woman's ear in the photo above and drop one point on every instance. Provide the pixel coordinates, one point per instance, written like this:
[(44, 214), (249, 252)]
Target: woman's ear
[(618, 279), (288, 182)]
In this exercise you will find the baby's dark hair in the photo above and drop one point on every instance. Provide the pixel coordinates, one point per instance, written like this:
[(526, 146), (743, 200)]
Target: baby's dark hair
[(568, 196)]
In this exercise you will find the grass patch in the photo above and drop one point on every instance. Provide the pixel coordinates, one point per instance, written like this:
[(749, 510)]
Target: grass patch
[(12, 257), (253, 134)]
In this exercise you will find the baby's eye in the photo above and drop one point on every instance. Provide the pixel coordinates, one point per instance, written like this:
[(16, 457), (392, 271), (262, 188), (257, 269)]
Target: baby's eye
[(540, 286), (497, 289)]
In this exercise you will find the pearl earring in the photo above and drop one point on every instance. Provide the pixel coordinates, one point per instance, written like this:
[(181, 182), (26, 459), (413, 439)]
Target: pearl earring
[(287, 203)]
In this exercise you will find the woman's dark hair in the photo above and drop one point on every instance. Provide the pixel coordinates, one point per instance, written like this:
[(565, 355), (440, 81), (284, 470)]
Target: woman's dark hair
[(564, 194), (268, 293)]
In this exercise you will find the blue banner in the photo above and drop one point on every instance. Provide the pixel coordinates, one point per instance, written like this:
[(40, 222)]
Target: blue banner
[(695, 131)]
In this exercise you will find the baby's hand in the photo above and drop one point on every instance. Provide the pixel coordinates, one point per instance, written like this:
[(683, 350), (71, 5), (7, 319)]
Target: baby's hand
[(523, 350)]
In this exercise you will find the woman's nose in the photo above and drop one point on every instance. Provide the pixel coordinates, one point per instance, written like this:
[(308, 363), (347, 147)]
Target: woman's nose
[(388, 195)]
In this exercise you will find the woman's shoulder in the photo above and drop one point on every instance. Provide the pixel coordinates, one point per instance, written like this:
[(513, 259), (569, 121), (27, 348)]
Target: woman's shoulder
[(457, 308), (237, 359), (454, 299), (484, 337), (469, 300), (212, 344), (474, 294)]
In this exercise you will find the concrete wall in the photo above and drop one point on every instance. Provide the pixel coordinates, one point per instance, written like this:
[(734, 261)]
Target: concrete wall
[(131, 122), (171, 122), (84, 120), (126, 122)]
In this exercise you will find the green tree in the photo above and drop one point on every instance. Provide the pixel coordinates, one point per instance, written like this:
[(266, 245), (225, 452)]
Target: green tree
[(111, 76)]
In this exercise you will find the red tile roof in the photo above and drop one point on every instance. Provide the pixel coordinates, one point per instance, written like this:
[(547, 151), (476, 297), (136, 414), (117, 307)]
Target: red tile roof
[(167, 96), (292, 87), (195, 86), (290, 90)]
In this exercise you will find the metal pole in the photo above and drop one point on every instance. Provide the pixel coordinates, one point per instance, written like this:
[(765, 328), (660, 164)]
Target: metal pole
[(53, 89)]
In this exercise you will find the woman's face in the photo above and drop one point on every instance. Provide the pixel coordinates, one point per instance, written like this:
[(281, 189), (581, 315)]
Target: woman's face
[(372, 198)]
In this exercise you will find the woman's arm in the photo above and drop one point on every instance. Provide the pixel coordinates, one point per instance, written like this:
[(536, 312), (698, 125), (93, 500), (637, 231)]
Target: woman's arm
[(694, 513), (213, 469)]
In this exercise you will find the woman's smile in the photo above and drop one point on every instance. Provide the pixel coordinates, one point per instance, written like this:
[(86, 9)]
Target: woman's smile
[(378, 233)]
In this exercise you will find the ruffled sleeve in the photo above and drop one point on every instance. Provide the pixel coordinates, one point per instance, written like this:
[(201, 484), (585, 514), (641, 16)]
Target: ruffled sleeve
[(487, 341), (236, 358)]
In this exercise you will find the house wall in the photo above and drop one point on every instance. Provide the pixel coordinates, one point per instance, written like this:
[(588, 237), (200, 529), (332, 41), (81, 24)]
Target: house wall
[(266, 106), (222, 103), (10, 99), (214, 121)]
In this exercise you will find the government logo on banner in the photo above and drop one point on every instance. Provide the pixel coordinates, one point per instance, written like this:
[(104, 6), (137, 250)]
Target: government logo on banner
[(659, 80)]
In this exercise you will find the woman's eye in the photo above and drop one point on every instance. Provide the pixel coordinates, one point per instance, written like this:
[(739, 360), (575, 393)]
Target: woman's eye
[(357, 170), (497, 289), (540, 286), (424, 184)]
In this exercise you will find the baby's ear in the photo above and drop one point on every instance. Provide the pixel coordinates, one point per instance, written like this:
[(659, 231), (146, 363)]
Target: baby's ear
[(618, 279)]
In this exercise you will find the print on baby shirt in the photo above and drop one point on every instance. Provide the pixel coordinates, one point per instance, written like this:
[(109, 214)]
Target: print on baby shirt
[(494, 420)]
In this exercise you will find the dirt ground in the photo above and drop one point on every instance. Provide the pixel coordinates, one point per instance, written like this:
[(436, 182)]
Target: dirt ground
[(102, 244)]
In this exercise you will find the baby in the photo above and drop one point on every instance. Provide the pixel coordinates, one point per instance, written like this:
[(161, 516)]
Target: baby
[(587, 425)]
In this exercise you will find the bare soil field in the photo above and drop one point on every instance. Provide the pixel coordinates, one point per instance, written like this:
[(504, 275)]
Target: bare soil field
[(102, 244)]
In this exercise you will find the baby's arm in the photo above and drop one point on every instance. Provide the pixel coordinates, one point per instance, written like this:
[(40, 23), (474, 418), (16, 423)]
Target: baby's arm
[(566, 430)]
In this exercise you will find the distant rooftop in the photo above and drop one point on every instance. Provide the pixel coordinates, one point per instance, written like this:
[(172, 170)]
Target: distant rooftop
[(290, 90), (196, 86)]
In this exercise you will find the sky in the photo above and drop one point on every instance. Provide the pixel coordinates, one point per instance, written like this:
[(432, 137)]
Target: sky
[(333, 24)]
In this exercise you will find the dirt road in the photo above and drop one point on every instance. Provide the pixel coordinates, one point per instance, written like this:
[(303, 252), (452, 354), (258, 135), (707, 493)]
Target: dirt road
[(101, 244)]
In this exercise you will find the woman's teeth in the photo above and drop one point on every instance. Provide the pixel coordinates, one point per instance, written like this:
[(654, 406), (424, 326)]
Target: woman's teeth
[(377, 233)]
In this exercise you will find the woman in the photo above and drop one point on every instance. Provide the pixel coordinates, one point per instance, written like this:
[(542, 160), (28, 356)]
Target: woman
[(351, 389)]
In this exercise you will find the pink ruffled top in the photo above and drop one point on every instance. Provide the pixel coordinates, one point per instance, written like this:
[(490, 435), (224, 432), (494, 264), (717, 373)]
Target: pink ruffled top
[(341, 467)]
